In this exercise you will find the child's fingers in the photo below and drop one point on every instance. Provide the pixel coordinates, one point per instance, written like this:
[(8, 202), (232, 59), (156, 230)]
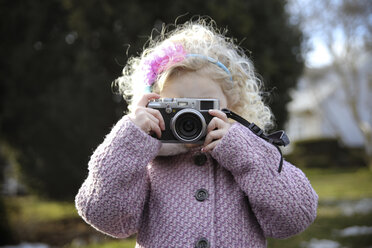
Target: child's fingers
[(216, 129), (219, 114), (153, 118), (210, 146), (151, 124), (215, 123), (142, 114), (156, 114), (146, 98), (156, 129), (146, 121), (213, 135)]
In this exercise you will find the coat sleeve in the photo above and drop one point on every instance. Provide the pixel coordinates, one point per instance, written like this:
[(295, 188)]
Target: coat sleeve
[(284, 203), (113, 195)]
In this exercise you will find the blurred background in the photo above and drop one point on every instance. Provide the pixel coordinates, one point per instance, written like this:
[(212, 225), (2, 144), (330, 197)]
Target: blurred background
[(59, 58)]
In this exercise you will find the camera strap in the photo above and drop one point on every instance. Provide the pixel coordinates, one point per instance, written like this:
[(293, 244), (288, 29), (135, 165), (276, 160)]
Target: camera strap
[(278, 138)]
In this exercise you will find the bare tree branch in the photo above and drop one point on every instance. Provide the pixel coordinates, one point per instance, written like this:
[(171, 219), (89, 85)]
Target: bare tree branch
[(345, 27)]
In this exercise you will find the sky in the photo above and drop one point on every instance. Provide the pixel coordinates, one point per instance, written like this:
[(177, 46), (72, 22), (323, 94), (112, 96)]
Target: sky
[(319, 55)]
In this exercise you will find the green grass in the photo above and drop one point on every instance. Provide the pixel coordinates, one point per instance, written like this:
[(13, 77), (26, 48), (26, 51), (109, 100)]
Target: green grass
[(326, 228), (126, 243), (332, 186), (341, 183), (34, 209)]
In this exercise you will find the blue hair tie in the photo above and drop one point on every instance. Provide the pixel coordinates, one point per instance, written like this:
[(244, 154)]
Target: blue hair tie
[(212, 60)]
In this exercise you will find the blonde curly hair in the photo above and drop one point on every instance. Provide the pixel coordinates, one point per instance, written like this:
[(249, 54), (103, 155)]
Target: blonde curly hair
[(202, 37)]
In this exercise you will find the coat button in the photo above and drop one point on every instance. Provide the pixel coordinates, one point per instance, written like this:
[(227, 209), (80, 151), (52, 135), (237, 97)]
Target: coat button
[(200, 158), (201, 194), (202, 243)]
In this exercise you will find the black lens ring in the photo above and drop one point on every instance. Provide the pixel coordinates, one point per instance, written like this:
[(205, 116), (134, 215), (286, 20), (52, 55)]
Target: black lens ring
[(188, 119), (195, 113)]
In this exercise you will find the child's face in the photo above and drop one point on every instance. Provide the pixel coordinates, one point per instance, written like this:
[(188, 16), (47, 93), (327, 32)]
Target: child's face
[(193, 85)]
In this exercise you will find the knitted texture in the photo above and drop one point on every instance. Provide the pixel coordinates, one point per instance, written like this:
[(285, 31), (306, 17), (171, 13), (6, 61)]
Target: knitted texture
[(233, 198)]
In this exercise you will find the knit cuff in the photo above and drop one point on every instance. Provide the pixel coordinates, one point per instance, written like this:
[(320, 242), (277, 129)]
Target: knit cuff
[(138, 142), (126, 143), (241, 150)]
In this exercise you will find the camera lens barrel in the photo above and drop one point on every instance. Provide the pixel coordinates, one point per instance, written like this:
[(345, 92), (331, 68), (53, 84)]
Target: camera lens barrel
[(188, 125)]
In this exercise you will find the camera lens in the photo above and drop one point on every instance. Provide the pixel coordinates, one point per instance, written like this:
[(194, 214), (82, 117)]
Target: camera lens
[(188, 125)]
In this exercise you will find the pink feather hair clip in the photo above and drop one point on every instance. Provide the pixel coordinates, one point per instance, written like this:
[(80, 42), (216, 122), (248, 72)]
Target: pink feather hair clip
[(159, 60)]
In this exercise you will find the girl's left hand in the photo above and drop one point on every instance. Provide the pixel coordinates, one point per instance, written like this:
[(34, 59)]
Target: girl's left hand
[(216, 129)]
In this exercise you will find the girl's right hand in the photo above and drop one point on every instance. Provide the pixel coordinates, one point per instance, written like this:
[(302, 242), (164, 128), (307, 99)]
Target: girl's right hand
[(148, 119)]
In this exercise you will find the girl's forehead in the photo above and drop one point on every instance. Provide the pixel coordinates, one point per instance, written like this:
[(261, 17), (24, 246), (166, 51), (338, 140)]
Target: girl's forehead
[(192, 85), (191, 82)]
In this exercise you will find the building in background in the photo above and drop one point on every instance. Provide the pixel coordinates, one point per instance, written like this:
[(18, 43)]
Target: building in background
[(321, 109)]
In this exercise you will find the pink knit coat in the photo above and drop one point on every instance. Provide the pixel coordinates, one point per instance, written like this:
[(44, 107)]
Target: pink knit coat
[(230, 197)]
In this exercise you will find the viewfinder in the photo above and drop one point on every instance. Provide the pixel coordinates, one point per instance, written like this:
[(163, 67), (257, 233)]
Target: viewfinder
[(206, 105)]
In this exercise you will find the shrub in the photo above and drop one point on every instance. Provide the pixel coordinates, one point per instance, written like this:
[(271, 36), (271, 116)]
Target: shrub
[(325, 153)]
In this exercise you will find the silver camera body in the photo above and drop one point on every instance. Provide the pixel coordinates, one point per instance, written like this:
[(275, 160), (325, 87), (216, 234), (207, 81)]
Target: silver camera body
[(186, 119)]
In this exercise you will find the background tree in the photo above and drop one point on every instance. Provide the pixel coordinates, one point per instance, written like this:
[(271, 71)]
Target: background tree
[(60, 57), (345, 30)]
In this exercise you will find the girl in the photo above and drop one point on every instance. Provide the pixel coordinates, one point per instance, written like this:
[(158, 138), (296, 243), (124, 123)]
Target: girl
[(224, 193)]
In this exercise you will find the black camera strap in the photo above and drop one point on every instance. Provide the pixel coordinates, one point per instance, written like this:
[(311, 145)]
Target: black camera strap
[(278, 138)]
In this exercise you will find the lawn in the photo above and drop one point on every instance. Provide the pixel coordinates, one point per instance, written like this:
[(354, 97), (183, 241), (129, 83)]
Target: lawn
[(341, 184), (340, 193)]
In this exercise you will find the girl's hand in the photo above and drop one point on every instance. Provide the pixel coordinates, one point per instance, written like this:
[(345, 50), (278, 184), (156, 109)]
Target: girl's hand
[(216, 129), (148, 119)]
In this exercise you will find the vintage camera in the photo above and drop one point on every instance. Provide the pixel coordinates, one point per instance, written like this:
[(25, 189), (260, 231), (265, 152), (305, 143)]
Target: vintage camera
[(186, 119)]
